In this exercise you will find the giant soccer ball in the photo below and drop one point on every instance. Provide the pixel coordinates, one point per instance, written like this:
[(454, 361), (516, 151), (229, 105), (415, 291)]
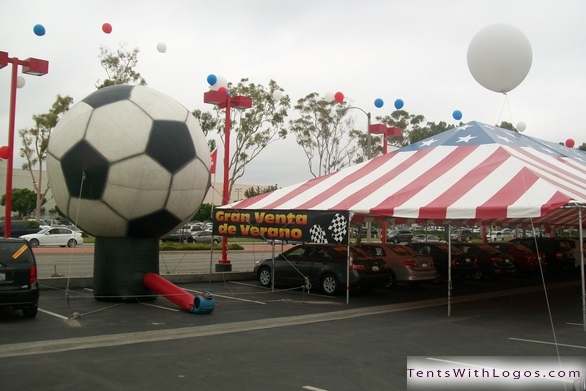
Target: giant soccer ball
[(128, 161)]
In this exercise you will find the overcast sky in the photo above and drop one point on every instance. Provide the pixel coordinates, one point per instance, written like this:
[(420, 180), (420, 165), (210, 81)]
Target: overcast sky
[(411, 50)]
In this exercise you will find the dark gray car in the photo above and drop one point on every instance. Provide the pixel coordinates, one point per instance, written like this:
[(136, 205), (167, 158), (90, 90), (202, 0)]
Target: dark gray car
[(19, 287)]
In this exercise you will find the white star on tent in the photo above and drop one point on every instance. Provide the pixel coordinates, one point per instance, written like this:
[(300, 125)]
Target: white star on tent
[(547, 150), (466, 139), (487, 127), (464, 127), (505, 138), (428, 142)]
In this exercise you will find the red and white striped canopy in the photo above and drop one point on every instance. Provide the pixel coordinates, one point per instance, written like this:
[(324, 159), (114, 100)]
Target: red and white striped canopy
[(473, 173)]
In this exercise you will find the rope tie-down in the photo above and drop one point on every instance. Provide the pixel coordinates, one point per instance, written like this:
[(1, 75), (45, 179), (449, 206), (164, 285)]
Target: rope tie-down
[(200, 304)]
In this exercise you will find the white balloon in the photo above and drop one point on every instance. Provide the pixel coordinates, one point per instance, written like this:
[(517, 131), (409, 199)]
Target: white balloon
[(521, 126), (329, 96), (220, 82), (499, 57), (161, 47), (20, 82), (277, 95)]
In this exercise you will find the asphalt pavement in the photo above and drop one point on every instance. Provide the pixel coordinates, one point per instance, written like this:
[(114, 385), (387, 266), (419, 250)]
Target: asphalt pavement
[(256, 339)]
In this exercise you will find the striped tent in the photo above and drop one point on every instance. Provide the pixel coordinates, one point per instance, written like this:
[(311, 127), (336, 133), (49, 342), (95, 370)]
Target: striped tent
[(472, 174)]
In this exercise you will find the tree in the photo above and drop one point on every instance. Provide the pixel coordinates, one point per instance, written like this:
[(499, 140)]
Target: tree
[(251, 191), (254, 129), (204, 213), (23, 201), (34, 147), (119, 67), (324, 134)]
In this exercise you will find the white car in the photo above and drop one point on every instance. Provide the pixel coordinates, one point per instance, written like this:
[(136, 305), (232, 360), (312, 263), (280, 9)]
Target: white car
[(57, 236)]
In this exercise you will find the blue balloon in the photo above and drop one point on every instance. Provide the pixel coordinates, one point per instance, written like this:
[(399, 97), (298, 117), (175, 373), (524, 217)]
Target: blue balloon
[(39, 30), (457, 114), (378, 102), (212, 79), (399, 104)]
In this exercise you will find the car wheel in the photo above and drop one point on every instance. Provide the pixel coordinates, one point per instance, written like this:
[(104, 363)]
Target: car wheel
[(30, 312), (216, 241), (329, 284), (183, 241), (264, 277), (396, 240), (438, 278), (34, 243), (72, 243), (392, 281), (477, 275), (189, 240)]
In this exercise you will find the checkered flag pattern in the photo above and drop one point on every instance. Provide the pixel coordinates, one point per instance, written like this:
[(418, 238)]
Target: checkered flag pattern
[(318, 235), (339, 227)]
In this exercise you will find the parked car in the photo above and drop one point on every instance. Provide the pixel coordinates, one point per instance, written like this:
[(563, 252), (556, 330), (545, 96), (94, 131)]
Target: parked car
[(461, 235), (403, 263), (56, 236), (19, 287), (399, 235), (426, 238), (462, 265), (500, 235), (180, 236), (324, 266), (18, 228), (525, 259), (558, 252), (491, 262), (575, 245), (205, 237)]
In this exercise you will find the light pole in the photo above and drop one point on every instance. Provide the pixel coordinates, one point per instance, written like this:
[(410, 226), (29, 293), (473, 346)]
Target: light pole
[(225, 101), (30, 66)]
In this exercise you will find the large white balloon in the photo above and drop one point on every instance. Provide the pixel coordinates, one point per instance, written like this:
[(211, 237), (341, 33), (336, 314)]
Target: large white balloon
[(329, 96), (521, 126), (277, 95), (499, 57)]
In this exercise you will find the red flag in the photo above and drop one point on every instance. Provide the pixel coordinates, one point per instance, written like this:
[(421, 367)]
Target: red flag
[(213, 157)]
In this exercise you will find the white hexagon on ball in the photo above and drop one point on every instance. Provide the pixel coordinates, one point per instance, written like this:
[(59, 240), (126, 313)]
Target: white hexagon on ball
[(128, 161)]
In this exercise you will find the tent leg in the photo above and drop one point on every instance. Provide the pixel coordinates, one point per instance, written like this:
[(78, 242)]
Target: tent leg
[(580, 243), (449, 232)]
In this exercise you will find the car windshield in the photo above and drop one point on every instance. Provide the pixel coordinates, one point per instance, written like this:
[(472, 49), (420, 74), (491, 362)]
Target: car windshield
[(43, 231), (403, 250)]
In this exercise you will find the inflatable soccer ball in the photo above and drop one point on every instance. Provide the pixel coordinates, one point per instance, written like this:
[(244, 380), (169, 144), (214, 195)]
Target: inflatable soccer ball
[(128, 161)]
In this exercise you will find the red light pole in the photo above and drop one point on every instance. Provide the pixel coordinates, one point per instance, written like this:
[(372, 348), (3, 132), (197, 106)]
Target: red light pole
[(386, 132), (223, 100), (30, 66)]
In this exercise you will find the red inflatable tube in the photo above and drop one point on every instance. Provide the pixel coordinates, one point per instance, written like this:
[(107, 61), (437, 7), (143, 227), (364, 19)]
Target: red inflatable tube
[(169, 290)]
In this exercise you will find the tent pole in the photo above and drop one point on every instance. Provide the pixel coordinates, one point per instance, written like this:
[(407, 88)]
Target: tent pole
[(582, 277), (348, 260), (449, 269)]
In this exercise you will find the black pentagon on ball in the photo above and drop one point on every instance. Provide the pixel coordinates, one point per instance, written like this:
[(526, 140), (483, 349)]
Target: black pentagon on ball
[(153, 225), (85, 171), (105, 96), (170, 144)]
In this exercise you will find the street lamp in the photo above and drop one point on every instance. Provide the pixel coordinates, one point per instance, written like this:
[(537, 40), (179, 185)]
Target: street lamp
[(223, 100), (30, 66), (386, 132)]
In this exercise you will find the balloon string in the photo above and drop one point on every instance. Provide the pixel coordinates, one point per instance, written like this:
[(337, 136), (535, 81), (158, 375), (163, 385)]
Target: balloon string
[(506, 101)]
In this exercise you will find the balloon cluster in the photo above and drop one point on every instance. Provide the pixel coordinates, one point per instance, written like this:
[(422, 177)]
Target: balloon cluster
[(338, 97), (217, 83)]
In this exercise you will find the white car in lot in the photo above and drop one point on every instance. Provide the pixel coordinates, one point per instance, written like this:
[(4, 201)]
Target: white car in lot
[(56, 236)]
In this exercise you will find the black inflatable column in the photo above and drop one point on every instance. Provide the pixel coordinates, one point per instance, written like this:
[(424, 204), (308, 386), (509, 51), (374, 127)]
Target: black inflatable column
[(120, 265)]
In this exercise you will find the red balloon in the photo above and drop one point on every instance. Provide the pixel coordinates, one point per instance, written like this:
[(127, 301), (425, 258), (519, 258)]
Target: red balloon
[(107, 28), (223, 90), (339, 97), (4, 152), (570, 143)]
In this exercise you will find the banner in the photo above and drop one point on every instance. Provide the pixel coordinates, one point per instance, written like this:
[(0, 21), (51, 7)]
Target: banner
[(309, 226)]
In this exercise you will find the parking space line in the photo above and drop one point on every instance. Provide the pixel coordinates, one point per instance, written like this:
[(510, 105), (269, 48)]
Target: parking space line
[(159, 306), (227, 297), (313, 388), (54, 314), (575, 324), (549, 343)]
